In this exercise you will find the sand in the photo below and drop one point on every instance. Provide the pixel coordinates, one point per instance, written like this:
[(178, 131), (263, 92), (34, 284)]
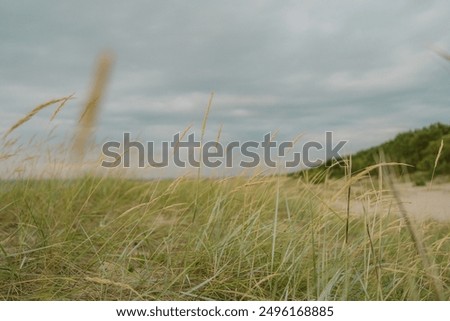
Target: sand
[(420, 202), (426, 201)]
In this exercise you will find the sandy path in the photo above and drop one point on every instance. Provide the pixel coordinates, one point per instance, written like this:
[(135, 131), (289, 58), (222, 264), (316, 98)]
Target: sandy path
[(420, 202), (425, 201)]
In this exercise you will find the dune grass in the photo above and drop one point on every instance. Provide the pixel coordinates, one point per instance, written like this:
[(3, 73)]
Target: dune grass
[(259, 238)]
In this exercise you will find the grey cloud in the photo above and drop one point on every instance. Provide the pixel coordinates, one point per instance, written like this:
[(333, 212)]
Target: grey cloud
[(296, 66)]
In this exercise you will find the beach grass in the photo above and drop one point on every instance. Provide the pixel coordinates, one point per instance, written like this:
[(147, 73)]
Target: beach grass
[(253, 238)]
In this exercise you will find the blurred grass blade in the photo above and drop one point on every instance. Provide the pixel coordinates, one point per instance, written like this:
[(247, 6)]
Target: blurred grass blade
[(89, 114)]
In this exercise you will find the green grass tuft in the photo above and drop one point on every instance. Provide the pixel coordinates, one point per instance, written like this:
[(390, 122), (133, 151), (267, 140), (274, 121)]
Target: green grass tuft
[(257, 238)]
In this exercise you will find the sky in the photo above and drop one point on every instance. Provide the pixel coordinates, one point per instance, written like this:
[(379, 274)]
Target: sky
[(364, 70)]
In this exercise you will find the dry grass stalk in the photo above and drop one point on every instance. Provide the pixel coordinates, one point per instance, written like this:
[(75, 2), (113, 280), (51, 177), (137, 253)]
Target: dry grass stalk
[(6, 156), (219, 134), (205, 120), (182, 135), (441, 147), (361, 175), (113, 283), (349, 192), (10, 142), (205, 117), (60, 106), (429, 266), (427, 263), (89, 114), (23, 120)]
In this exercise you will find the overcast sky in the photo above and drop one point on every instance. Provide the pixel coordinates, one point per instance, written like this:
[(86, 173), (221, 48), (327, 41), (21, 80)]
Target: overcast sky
[(362, 69)]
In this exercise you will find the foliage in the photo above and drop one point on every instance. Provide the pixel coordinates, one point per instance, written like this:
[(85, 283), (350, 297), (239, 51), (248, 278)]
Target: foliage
[(418, 148)]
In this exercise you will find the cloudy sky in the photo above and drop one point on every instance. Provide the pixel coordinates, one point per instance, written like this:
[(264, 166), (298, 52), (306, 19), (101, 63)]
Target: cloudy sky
[(362, 69)]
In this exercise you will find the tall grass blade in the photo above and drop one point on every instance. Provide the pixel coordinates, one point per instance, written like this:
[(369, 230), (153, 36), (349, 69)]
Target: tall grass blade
[(441, 147)]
